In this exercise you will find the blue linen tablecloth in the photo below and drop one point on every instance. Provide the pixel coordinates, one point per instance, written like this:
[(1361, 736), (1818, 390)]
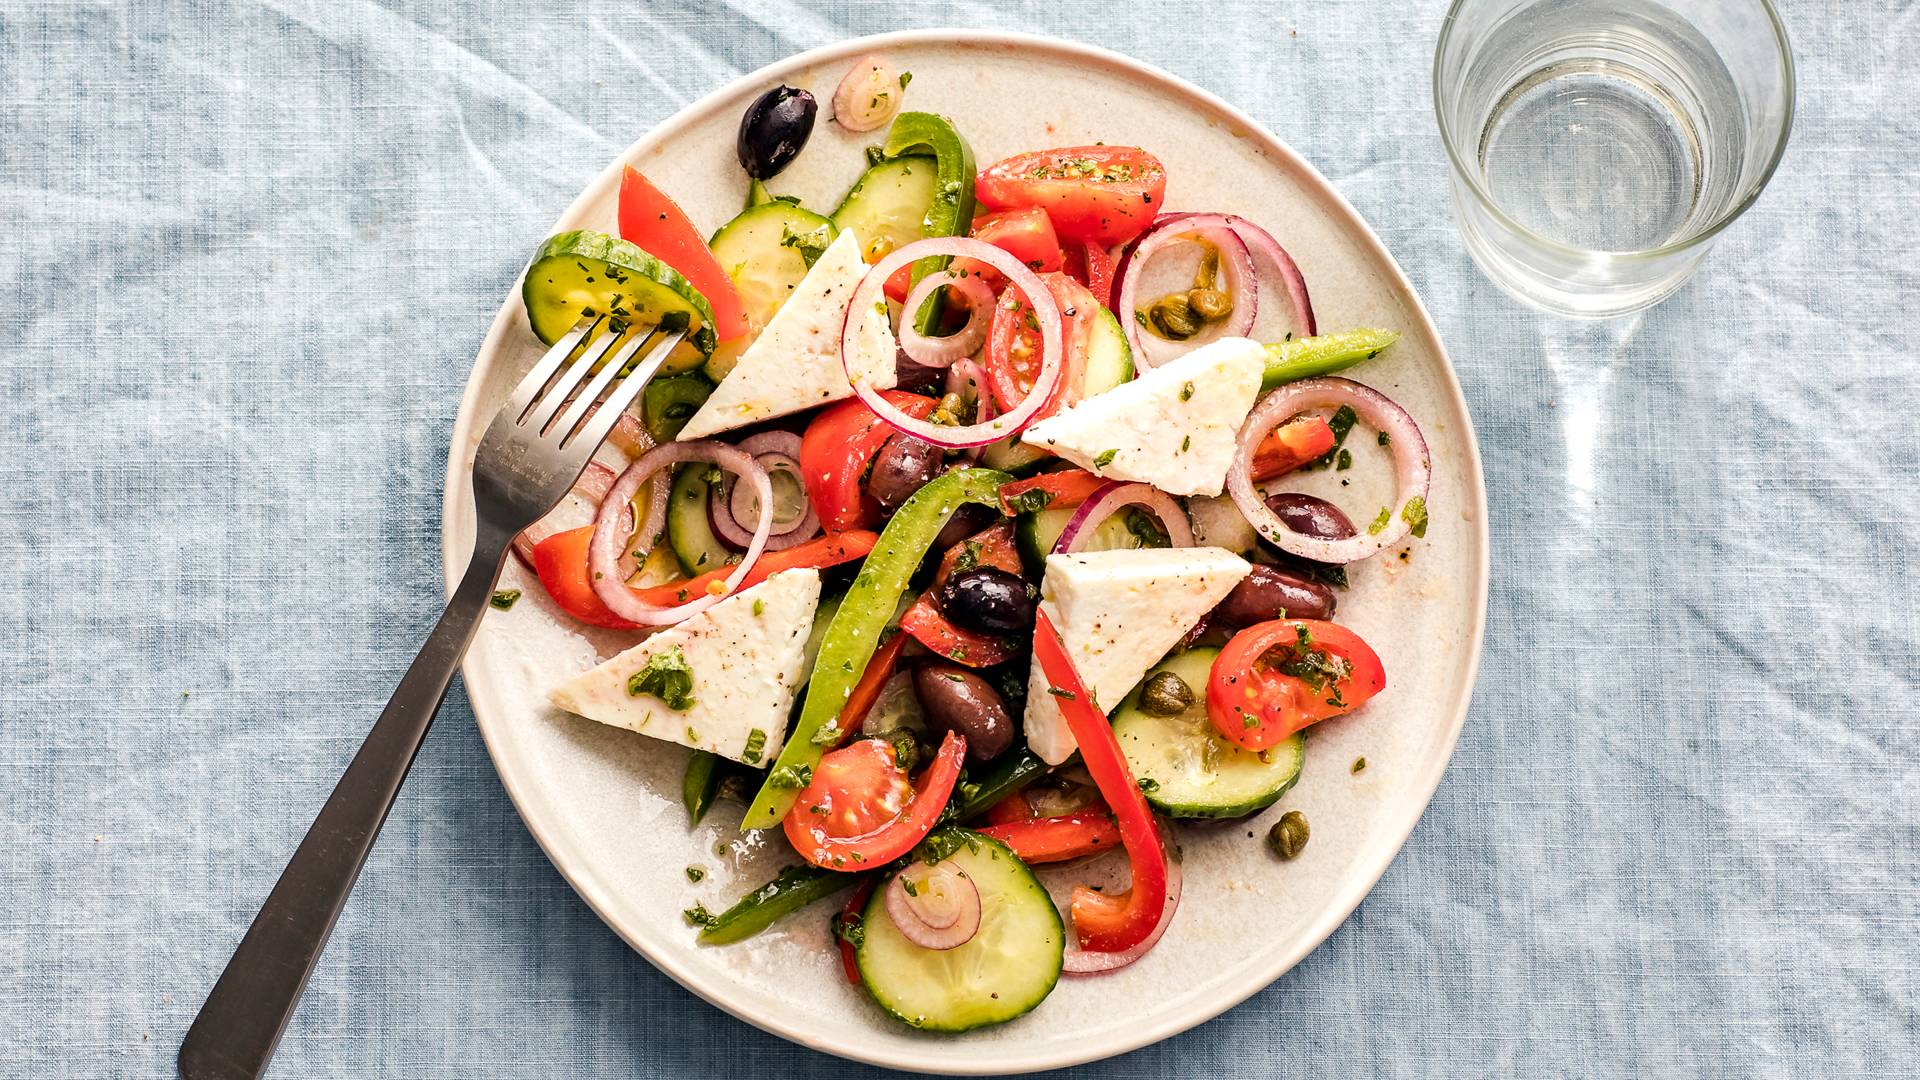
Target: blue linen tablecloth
[(250, 248)]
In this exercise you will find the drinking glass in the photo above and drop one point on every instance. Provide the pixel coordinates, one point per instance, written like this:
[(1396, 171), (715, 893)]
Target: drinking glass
[(1599, 146)]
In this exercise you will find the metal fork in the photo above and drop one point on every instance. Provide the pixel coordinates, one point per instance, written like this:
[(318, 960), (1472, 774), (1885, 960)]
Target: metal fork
[(530, 455)]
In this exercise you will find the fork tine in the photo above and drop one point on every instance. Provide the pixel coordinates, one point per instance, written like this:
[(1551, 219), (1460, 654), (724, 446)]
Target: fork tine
[(583, 401), (593, 430), (524, 395), (556, 396)]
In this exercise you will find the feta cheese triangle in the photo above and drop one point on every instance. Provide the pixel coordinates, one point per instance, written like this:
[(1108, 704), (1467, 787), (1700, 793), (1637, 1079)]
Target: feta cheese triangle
[(795, 362), (1119, 613), (747, 657), (1174, 427)]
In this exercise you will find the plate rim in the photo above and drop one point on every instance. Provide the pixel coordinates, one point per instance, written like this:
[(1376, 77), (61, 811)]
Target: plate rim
[(997, 1059)]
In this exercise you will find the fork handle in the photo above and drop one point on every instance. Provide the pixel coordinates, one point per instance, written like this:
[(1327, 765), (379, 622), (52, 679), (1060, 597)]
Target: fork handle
[(234, 1035)]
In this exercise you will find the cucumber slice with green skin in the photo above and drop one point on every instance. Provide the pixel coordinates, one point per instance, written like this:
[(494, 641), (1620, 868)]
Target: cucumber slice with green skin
[(1109, 357), (688, 530), (1035, 534), (580, 272), (766, 250), (1185, 768), (887, 207), (1009, 967), (1010, 455), (1218, 522)]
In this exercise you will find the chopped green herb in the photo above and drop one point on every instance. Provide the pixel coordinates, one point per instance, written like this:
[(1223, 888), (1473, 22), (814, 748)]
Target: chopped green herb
[(1059, 693), (1105, 459), (1384, 439), (759, 606), (1149, 785), (698, 915), (905, 78), (1186, 443), (1359, 765), (907, 885), (968, 558), (695, 874), (756, 745), (1031, 501), (505, 598), (667, 676), (1415, 514), (1344, 461), (1186, 391), (788, 776), (828, 734), (1380, 522), (1145, 530)]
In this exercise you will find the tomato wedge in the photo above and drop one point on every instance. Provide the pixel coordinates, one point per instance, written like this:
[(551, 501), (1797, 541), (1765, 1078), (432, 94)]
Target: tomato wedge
[(561, 562), (1275, 678), (1105, 194), (834, 453), (1049, 491), (1025, 233), (858, 811), (1290, 446), (1092, 265), (656, 223), (926, 623), (1013, 344), (1107, 922), (1057, 839)]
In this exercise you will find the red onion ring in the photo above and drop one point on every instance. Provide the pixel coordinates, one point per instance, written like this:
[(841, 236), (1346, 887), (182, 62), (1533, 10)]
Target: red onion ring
[(604, 550), (725, 509), (1412, 465), (1079, 961), (969, 380), (867, 303), (1168, 228), (939, 352), (1115, 497), (1236, 262), (923, 921)]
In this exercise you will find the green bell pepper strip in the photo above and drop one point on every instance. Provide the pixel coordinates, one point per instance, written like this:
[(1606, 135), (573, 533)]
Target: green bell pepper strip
[(798, 886), (856, 627), (951, 213), (1288, 361)]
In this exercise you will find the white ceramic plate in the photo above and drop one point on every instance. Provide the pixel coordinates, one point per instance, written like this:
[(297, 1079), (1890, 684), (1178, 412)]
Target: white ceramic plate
[(605, 803)]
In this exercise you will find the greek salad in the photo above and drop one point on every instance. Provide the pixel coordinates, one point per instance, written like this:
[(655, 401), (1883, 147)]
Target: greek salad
[(955, 538)]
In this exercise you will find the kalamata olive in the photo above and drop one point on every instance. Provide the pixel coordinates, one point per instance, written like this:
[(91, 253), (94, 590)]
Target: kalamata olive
[(1310, 516), (969, 519), (773, 131), (902, 467), (1267, 593), (988, 600), (955, 699)]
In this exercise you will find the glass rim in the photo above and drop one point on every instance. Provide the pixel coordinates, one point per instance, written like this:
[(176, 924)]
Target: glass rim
[(1784, 49)]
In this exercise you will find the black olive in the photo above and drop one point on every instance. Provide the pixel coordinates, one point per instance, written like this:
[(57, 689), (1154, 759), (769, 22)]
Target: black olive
[(903, 466), (1266, 593), (955, 699), (774, 130), (989, 601), (1310, 516)]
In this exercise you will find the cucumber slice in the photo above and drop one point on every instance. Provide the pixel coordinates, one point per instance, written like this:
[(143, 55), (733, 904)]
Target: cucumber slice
[(766, 250), (1185, 767), (580, 272), (688, 531), (1218, 522), (1010, 455), (1109, 357), (888, 205), (1036, 533), (1010, 966)]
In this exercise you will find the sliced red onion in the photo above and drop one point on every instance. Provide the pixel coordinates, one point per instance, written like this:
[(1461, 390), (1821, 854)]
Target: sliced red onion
[(729, 504), (1412, 465), (939, 352), (867, 304), (1170, 228), (1115, 497), (1236, 264), (868, 96), (969, 380), (604, 551), (1079, 961), (942, 911)]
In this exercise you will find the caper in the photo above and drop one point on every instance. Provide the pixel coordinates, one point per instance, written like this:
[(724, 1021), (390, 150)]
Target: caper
[(1209, 266), (1166, 694), (1288, 835), (1172, 319), (1210, 304)]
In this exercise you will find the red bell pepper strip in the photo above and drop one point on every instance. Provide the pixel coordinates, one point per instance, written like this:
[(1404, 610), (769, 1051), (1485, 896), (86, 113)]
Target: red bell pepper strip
[(927, 624), (835, 450), (1290, 446), (561, 562), (867, 690), (656, 224), (1106, 923), (889, 841), (1011, 808), (849, 915), (1092, 265), (1057, 491), (1057, 839)]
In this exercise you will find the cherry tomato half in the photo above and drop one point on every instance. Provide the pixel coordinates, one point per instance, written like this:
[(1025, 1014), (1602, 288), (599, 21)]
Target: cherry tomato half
[(1275, 678), (1106, 194)]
